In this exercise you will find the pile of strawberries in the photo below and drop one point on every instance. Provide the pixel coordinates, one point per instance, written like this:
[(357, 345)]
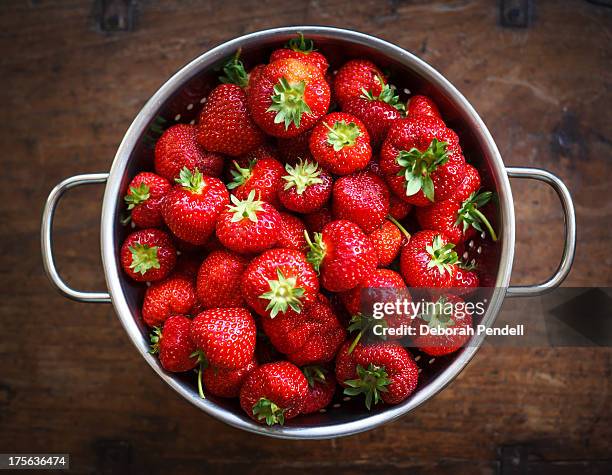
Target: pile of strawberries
[(265, 222)]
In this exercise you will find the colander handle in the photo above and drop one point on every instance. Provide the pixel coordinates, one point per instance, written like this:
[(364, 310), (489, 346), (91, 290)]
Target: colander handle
[(47, 238), (570, 231)]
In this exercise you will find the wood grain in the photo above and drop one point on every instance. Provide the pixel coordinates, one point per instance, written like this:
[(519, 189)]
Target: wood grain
[(70, 380)]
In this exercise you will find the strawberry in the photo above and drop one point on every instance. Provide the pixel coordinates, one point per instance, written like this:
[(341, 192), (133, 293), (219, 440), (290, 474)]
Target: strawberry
[(321, 388), (144, 197), (288, 98), (249, 226), (291, 234), (387, 241), (469, 184), (302, 49), (376, 112), (398, 209), (191, 208), (274, 392), (422, 160), (429, 260), (362, 198), (218, 281), (225, 125), (464, 281), (343, 254), (381, 286), (178, 148), (306, 187), (173, 344), (308, 337), (226, 382), (294, 149), (355, 77), (446, 314), (187, 265), (225, 336), (172, 296), (382, 371), (341, 144), (315, 222), (264, 176), (423, 105), (279, 280), (458, 220), (148, 255)]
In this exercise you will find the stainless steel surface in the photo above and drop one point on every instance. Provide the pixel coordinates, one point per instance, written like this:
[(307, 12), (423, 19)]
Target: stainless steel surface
[(46, 235), (570, 231), (177, 97)]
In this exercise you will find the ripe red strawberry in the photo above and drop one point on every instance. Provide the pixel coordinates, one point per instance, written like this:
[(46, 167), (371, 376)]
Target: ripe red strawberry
[(144, 197), (187, 265), (343, 254), (226, 382), (469, 184), (355, 77), (288, 98), (422, 160), (225, 125), (219, 277), (311, 336), (341, 144), (263, 176), (306, 187), (429, 260), (387, 241), (279, 280), (274, 392), (291, 234), (381, 371), (321, 388), (423, 105), (376, 112), (398, 209), (464, 281), (148, 255), (315, 222), (225, 336), (302, 49), (362, 198), (446, 314), (294, 149), (458, 220), (249, 226), (172, 296), (173, 344), (178, 148), (381, 286), (191, 209)]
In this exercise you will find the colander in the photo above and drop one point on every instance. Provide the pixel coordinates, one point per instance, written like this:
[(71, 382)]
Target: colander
[(179, 100)]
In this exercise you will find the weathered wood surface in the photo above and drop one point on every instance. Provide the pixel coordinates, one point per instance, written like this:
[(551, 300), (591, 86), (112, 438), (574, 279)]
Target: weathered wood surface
[(70, 380)]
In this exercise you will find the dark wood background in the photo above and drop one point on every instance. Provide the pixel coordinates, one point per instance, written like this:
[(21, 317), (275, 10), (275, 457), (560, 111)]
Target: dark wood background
[(73, 76)]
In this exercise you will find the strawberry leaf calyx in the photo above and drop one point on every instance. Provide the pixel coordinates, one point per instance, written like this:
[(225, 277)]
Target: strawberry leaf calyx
[(288, 102), (234, 72), (202, 365), (370, 382), (417, 166), (317, 250), (303, 175), (137, 195), (363, 324), (342, 134), (283, 294), (264, 409), (155, 338), (245, 209), (443, 256), (240, 175), (191, 181), (144, 257), (387, 94), (438, 314), (301, 44), (314, 374), (469, 214)]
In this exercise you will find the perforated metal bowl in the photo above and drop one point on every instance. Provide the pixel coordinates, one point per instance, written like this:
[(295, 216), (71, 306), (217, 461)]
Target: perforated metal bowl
[(179, 100)]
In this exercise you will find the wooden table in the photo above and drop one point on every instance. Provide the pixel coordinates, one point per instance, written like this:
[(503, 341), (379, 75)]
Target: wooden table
[(70, 380)]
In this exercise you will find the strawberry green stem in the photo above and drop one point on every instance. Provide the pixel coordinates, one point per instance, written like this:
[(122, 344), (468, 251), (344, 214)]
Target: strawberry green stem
[(400, 227), (283, 294), (301, 44), (234, 72), (192, 181), (144, 257), (200, 388), (487, 224), (356, 341), (289, 103), (317, 251), (264, 409), (245, 209), (303, 175), (342, 135), (370, 382), (417, 166)]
